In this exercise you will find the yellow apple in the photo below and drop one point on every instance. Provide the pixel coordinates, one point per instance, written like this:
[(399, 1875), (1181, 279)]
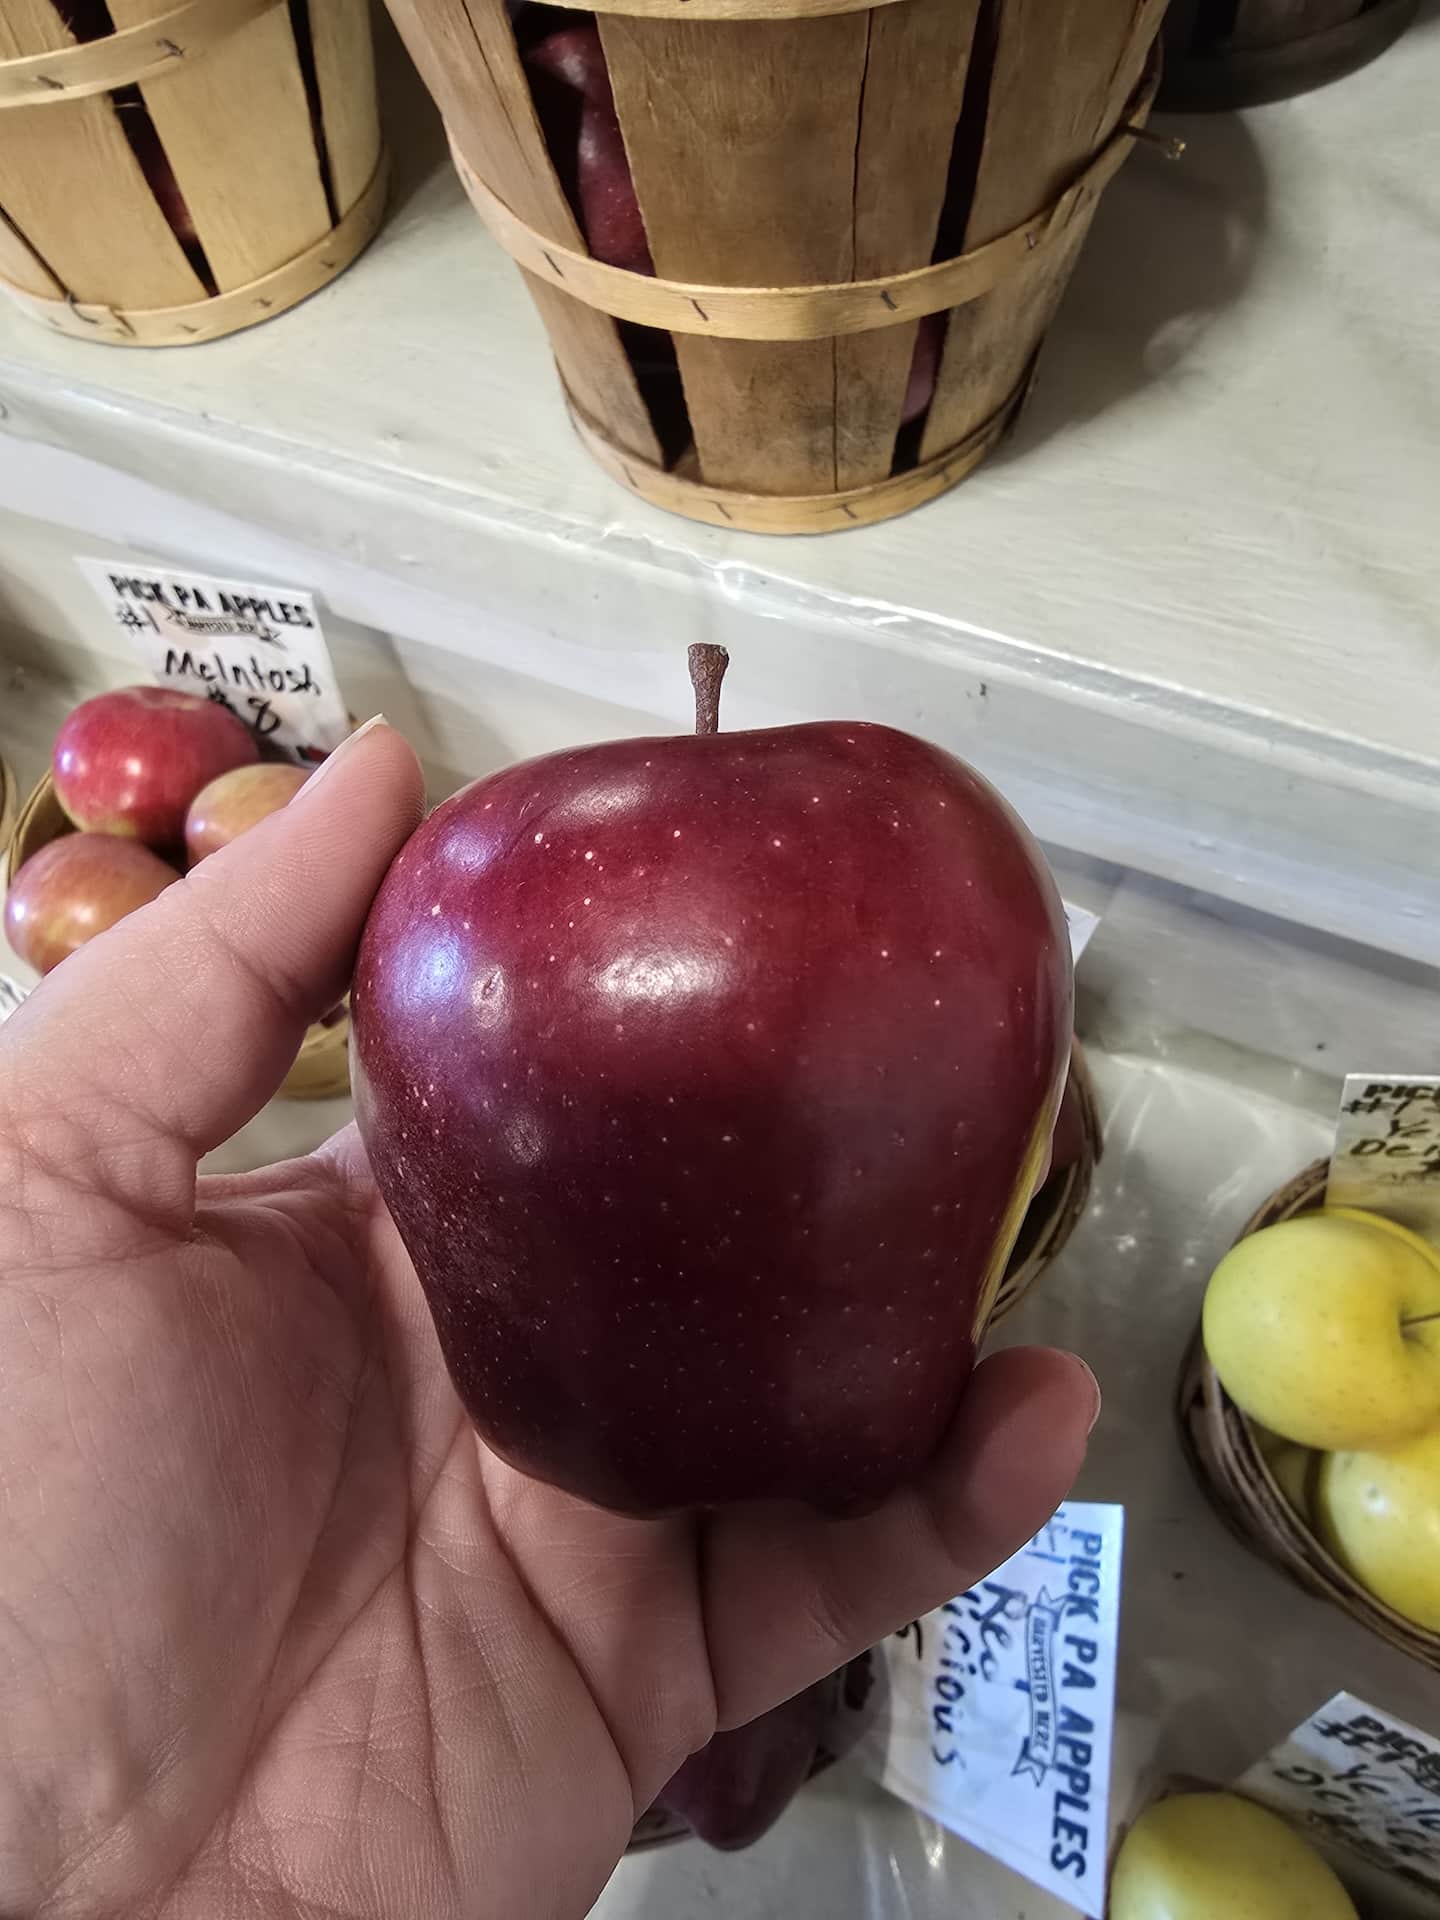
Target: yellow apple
[(1379, 1514), (1214, 1856), (1288, 1464), (1327, 1329)]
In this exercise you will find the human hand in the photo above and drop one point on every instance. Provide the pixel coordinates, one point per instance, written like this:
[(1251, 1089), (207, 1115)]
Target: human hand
[(278, 1636)]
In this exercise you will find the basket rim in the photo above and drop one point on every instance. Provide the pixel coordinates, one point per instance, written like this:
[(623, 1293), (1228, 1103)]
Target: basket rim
[(221, 313), (784, 513), (149, 51), (1071, 1199), (1219, 1443), (825, 309)]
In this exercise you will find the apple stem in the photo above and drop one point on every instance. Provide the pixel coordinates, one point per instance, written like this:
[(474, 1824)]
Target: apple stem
[(707, 670), (1420, 1320)]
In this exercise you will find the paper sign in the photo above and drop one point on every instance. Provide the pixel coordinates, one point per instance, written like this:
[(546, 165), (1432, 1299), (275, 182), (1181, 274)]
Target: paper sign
[(1387, 1148), (1360, 1783), (257, 650), (1001, 1707), (1082, 924)]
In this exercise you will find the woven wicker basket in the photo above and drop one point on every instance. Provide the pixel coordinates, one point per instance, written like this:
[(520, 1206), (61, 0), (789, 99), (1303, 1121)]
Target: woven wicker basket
[(1057, 1209), (322, 1066), (794, 162), (202, 167), (1220, 1442), (1219, 55)]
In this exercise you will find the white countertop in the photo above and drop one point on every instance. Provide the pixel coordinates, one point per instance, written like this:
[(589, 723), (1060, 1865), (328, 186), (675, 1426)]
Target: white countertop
[(1189, 616)]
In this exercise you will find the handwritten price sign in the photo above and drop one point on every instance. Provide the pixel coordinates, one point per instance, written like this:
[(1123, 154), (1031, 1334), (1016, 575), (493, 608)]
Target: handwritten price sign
[(257, 650), (1362, 1784), (1002, 1702), (1387, 1149)]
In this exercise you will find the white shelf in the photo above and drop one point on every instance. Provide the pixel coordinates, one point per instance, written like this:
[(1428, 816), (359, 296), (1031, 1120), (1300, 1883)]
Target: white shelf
[(1188, 617)]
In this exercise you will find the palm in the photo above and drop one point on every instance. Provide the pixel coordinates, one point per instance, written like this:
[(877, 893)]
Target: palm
[(277, 1634)]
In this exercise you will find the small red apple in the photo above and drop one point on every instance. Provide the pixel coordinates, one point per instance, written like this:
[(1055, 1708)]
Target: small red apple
[(76, 887), (130, 762), (734, 1789), (924, 367), (237, 801), (571, 85)]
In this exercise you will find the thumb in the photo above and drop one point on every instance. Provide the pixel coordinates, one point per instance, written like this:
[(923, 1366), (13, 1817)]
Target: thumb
[(160, 1038)]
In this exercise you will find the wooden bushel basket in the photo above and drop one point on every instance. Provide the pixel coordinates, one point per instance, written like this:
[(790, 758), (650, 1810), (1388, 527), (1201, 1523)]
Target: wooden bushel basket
[(799, 165), (322, 1066), (1220, 1443), (1220, 55), (203, 166)]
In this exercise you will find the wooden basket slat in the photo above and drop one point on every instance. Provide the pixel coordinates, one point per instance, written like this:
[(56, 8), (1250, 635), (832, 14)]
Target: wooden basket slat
[(776, 106), (235, 127), (990, 342), (914, 88), (469, 60), (23, 267), (72, 186), (345, 75), (1052, 102)]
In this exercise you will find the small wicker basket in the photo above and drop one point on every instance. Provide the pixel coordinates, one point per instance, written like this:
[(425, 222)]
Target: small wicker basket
[(816, 178), (1220, 55), (172, 172), (322, 1066), (1057, 1209), (1220, 1443)]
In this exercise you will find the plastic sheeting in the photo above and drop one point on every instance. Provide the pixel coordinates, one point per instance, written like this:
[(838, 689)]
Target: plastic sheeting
[(1220, 1655)]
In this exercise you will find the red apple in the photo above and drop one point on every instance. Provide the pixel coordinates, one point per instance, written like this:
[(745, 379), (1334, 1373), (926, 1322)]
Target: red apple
[(706, 1079), (571, 85), (924, 367), (76, 887), (733, 1791), (237, 801), (130, 762)]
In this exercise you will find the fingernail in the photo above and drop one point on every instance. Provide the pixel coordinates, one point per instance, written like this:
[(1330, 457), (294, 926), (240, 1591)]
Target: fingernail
[(1094, 1392), (332, 760)]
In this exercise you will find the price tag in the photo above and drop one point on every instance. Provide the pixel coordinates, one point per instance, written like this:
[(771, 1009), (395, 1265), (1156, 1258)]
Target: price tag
[(1387, 1148), (1082, 923), (1362, 1784), (257, 650), (1002, 1704)]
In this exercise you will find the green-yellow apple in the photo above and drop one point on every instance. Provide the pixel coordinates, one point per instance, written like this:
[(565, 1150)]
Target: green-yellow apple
[(1327, 1329), (1289, 1464), (1379, 1514), (1214, 1856)]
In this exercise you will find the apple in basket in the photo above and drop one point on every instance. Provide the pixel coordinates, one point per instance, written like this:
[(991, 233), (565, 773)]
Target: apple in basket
[(130, 762), (1204, 1856), (235, 802), (707, 1079), (76, 887)]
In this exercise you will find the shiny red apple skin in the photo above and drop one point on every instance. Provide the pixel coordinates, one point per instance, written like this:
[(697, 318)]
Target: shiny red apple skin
[(130, 762), (705, 1079), (237, 801), (76, 887)]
